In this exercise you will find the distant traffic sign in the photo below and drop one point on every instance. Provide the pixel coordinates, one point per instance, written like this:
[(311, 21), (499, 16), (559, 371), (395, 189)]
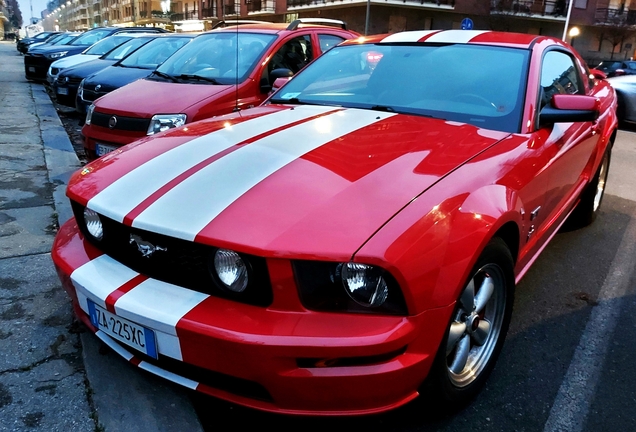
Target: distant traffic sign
[(467, 24)]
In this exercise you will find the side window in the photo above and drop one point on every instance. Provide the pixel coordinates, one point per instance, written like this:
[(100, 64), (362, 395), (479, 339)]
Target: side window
[(293, 55), (328, 41), (559, 75)]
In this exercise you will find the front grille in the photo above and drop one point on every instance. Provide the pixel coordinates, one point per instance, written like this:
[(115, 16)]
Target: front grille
[(71, 80), (123, 123), (90, 95), (183, 263)]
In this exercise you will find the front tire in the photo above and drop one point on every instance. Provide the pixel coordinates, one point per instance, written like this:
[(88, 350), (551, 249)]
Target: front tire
[(476, 332)]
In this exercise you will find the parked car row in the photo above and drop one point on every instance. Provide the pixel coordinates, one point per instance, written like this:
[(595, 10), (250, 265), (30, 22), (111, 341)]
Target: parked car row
[(220, 71), (38, 60)]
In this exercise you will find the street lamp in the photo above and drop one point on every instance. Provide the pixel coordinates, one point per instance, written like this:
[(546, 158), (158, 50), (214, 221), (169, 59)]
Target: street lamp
[(573, 33)]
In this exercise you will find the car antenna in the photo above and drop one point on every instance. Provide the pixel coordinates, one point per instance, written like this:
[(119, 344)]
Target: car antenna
[(236, 95)]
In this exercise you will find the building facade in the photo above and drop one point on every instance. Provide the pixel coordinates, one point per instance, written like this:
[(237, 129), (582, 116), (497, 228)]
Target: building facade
[(605, 29)]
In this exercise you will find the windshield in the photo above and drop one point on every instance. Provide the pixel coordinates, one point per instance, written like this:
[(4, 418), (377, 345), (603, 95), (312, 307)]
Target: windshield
[(154, 53), (54, 39), (42, 36), (92, 36), (64, 39), (475, 84), (213, 57), (126, 48)]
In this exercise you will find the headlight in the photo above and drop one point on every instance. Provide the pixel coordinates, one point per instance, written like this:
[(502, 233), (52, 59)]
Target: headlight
[(80, 90), (93, 224), (231, 270), (349, 287), (89, 114), (162, 122), (364, 284), (57, 55)]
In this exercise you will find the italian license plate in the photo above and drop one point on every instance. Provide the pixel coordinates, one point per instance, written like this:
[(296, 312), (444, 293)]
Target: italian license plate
[(102, 149), (31, 69), (125, 331), (62, 91)]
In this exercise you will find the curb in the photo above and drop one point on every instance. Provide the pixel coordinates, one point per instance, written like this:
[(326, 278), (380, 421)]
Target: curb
[(124, 397)]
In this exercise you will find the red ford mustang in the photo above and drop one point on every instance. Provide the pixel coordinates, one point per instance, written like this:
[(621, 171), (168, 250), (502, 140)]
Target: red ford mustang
[(355, 241)]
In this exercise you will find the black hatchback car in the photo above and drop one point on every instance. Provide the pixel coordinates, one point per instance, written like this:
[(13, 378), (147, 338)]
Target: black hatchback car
[(617, 67), (23, 44), (37, 61)]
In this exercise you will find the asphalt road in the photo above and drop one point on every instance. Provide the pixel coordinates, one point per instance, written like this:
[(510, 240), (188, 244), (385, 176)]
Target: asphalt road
[(567, 364)]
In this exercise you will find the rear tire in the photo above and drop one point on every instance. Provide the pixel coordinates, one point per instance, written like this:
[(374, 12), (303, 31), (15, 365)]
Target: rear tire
[(476, 331)]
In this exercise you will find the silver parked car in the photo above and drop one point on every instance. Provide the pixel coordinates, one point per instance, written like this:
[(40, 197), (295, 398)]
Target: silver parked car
[(625, 87)]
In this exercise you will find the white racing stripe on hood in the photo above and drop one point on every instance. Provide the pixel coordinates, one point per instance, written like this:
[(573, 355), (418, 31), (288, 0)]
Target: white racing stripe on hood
[(127, 192), (409, 36), (186, 209), (455, 36)]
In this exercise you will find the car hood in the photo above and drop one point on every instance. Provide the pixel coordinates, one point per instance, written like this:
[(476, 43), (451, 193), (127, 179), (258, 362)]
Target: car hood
[(145, 98), (72, 49), (73, 60), (299, 181), (83, 70), (113, 77)]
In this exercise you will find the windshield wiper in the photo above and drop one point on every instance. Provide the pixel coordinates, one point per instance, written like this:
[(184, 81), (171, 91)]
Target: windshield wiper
[(165, 75), (198, 77), (384, 108)]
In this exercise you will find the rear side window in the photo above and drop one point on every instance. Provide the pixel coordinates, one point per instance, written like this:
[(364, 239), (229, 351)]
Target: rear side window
[(328, 41)]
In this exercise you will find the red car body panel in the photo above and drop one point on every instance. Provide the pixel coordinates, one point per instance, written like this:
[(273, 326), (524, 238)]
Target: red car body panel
[(418, 197)]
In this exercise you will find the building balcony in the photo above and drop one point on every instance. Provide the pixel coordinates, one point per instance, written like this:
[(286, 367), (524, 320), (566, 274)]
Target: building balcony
[(209, 12), (190, 15), (620, 16), (543, 9), (260, 6), (303, 4), (232, 9)]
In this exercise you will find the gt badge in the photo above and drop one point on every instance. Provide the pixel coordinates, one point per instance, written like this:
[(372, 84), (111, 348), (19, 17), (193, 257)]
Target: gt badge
[(146, 248)]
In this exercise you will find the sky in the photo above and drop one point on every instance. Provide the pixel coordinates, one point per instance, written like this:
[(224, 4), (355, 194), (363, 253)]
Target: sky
[(38, 6)]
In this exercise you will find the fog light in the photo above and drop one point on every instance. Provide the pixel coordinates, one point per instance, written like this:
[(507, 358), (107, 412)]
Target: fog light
[(93, 224), (364, 284), (231, 270)]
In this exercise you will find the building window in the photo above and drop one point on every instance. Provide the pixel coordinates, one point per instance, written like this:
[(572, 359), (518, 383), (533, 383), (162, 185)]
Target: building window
[(580, 4)]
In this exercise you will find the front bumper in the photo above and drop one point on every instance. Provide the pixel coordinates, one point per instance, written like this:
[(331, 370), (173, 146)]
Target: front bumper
[(274, 359), (36, 66)]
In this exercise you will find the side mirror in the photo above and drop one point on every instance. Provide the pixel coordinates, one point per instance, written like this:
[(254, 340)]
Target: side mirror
[(279, 83), (598, 74), (567, 108), (266, 87)]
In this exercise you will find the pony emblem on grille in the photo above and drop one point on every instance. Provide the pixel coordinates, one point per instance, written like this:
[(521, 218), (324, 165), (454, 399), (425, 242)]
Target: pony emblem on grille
[(146, 248)]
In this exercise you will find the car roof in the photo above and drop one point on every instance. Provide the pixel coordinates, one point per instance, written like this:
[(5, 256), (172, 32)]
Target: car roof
[(477, 37), (273, 28)]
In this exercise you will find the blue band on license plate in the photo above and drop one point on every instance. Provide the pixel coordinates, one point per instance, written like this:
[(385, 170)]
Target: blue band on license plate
[(132, 334)]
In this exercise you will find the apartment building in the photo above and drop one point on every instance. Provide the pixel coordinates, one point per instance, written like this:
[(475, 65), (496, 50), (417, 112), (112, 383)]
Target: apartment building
[(604, 29)]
